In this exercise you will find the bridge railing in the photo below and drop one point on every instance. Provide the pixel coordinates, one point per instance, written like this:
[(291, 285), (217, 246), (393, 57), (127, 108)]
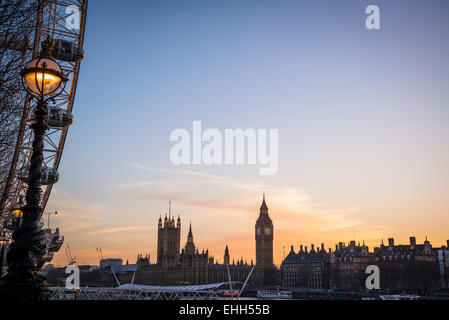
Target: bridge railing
[(130, 294)]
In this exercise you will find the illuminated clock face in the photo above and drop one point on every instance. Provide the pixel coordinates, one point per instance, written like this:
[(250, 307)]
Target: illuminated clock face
[(258, 231), (267, 231)]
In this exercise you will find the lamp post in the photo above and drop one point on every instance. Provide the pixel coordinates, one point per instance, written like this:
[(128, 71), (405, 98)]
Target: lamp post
[(43, 79)]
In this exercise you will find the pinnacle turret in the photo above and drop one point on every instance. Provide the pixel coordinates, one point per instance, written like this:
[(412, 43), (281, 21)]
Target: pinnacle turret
[(190, 235)]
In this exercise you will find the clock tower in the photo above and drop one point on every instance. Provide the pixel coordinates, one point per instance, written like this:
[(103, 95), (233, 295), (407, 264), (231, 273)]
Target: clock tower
[(264, 271)]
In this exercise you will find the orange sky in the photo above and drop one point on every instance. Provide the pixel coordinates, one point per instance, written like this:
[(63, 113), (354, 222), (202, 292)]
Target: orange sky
[(217, 220)]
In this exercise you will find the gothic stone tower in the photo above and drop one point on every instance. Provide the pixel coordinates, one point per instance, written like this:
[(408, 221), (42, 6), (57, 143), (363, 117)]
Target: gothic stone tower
[(194, 263), (226, 256), (265, 270), (168, 242)]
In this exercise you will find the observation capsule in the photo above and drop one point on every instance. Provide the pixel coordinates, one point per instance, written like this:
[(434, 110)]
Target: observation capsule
[(67, 51), (49, 175), (59, 118)]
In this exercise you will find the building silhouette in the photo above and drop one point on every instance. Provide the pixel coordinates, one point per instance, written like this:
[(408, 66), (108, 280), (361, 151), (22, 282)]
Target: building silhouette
[(192, 266), (410, 267), (306, 269)]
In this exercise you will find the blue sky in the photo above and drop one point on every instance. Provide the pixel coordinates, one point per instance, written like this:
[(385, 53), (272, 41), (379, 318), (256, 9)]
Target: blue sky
[(362, 119)]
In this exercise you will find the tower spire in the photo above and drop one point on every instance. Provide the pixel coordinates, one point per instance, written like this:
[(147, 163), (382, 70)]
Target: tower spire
[(190, 235), (263, 207)]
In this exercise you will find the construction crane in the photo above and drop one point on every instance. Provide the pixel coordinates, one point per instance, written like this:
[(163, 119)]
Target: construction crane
[(68, 253), (99, 253)]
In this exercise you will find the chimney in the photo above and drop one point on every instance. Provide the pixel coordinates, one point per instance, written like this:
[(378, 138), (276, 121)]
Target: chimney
[(352, 243), (340, 245), (300, 247), (322, 246), (306, 249), (336, 247), (447, 242), (412, 241), (390, 242), (313, 247), (292, 249)]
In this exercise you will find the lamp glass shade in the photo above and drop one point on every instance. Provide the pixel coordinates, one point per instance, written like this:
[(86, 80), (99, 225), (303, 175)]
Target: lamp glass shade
[(17, 213), (43, 76)]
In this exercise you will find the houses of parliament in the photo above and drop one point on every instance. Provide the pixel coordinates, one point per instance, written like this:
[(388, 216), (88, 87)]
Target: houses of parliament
[(189, 265)]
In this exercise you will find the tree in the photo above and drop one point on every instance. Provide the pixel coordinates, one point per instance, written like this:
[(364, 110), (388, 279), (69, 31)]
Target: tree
[(17, 26)]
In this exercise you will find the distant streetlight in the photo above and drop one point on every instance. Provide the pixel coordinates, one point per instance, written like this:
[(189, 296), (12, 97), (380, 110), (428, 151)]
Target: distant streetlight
[(17, 213), (43, 79), (3, 240), (16, 218)]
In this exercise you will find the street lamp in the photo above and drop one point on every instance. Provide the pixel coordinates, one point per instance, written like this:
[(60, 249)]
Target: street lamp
[(43, 79), (14, 220), (43, 76), (17, 213)]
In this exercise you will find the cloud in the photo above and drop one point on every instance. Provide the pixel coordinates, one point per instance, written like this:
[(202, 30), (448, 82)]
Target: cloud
[(73, 214), (118, 229), (184, 172), (233, 200)]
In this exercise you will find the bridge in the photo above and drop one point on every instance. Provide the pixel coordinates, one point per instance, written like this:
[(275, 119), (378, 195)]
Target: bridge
[(142, 292)]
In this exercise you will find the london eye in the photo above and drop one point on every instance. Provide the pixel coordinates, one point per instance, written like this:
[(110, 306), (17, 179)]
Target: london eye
[(64, 23)]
